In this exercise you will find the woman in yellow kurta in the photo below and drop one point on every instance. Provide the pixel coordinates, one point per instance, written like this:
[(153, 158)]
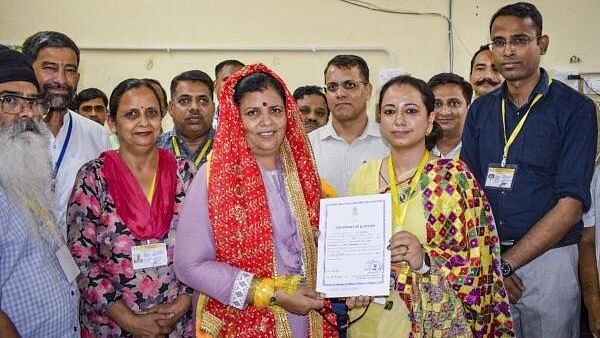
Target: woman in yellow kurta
[(445, 254)]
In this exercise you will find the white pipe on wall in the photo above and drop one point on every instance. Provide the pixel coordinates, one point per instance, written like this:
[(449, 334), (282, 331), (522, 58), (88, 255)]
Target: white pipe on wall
[(311, 49)]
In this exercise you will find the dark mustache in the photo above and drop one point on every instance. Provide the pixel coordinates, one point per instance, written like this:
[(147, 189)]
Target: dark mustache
[(488, 81), (56, 85)]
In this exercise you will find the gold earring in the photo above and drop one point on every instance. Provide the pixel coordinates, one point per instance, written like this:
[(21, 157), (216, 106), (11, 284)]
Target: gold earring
[(429, 130)]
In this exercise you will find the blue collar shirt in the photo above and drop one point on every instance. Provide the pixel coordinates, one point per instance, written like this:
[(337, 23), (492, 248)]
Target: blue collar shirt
[(554, 153)]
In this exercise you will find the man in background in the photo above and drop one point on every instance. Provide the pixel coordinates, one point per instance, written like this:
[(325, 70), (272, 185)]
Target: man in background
[(484, 75), (74, 139), (312, 103), (192, 109), (350, 138), (223, 71), (93, 104), (452, 99)]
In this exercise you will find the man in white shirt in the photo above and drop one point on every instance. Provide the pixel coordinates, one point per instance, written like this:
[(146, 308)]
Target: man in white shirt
[(452, 98), (350, 138), (74, 139)]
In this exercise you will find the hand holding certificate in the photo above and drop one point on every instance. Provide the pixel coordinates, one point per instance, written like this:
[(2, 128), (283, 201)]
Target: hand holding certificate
[(353, 258)]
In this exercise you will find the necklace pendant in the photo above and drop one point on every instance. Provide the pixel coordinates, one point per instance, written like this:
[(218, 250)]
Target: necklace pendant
[(402, 196)]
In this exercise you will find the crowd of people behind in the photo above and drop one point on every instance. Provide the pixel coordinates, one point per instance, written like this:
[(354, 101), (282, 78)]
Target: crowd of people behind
[(114, 227)]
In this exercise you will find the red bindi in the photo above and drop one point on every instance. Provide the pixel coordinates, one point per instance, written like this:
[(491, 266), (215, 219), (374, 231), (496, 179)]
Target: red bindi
[(264, 103)]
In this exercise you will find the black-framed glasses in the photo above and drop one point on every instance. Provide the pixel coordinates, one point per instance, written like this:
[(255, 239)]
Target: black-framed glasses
[(349, 85), (14, 104), (517, 41)]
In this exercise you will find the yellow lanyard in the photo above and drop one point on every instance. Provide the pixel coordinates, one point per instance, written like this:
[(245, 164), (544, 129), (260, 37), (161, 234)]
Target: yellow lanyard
[(508, 142), (200, 156), (150, 194), (399, 208)]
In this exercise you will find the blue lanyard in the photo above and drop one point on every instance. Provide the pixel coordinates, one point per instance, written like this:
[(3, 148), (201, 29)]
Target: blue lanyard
[(63, 150)]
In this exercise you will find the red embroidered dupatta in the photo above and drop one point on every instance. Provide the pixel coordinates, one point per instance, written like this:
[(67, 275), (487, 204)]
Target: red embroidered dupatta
[(240, 217)]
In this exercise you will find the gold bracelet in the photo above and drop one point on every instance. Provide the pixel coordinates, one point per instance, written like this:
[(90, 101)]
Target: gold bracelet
[(263, 292)]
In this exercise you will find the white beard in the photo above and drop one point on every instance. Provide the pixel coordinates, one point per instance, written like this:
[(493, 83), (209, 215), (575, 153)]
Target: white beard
[(25, 175)]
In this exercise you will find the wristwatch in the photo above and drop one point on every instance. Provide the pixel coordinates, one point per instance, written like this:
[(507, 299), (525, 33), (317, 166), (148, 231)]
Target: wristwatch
[(273, 299), (505, 268)]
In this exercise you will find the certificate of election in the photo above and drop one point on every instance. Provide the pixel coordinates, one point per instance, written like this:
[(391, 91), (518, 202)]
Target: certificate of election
[(353, 258)]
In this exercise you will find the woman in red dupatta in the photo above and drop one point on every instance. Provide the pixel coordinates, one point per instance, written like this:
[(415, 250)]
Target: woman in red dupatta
[(122, 217), (246, 232)]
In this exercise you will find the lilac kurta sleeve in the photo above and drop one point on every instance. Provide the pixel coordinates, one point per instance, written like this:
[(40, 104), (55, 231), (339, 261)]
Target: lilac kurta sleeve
[(195, 257)]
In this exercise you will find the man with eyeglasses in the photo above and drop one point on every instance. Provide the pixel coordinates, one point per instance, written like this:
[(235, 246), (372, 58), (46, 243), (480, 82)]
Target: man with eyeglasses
[(74, 140), (192, 109), (484, 75), (532, 145), (38, 291), (349, 138)]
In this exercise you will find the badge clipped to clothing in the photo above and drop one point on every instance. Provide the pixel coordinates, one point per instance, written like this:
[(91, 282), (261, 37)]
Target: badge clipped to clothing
[(67, 263), (500, 177), (149, 255)]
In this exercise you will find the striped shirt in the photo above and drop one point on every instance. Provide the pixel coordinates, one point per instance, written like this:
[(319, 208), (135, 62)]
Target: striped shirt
[(337, 160), (34, 292)]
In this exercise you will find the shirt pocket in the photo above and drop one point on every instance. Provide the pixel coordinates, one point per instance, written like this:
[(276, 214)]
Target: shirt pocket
[(540, 146)]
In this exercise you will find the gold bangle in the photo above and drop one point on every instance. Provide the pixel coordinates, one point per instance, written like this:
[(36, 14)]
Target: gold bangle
[(263, 291)]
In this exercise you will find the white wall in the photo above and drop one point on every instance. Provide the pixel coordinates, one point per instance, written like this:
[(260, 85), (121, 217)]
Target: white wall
[(418, 44)]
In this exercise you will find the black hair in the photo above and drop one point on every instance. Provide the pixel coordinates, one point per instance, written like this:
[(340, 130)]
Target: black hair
[(163, 104), (193, 76), (89, 94), (482, 48), (349, 61), (46, 39), (303, 91), (521, 10), (450, 78), (256, 82), (428, 101), (125, 86), (225, 63)]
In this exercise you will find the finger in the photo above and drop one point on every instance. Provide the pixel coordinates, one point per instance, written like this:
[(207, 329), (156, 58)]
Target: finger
[(518, 282), (364, 301), (159, 316), (155, 309), (351, 302), (308, 293), (405, 236), (317, 304)]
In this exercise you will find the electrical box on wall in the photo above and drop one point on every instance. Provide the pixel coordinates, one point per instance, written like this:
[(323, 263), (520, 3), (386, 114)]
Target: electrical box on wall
[(386, 74), (591, 83)]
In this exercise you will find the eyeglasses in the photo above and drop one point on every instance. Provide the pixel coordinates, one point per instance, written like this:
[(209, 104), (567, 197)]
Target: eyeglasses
[(14, 104), (349, 85), (519, 41)]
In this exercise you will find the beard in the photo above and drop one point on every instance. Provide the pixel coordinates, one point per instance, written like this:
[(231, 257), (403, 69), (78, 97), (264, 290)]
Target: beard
[(25, 175), (58, 102)]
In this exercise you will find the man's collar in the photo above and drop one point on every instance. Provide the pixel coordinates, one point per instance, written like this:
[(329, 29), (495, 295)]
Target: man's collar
[(541, 87), (371, 129), (173, 132)]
